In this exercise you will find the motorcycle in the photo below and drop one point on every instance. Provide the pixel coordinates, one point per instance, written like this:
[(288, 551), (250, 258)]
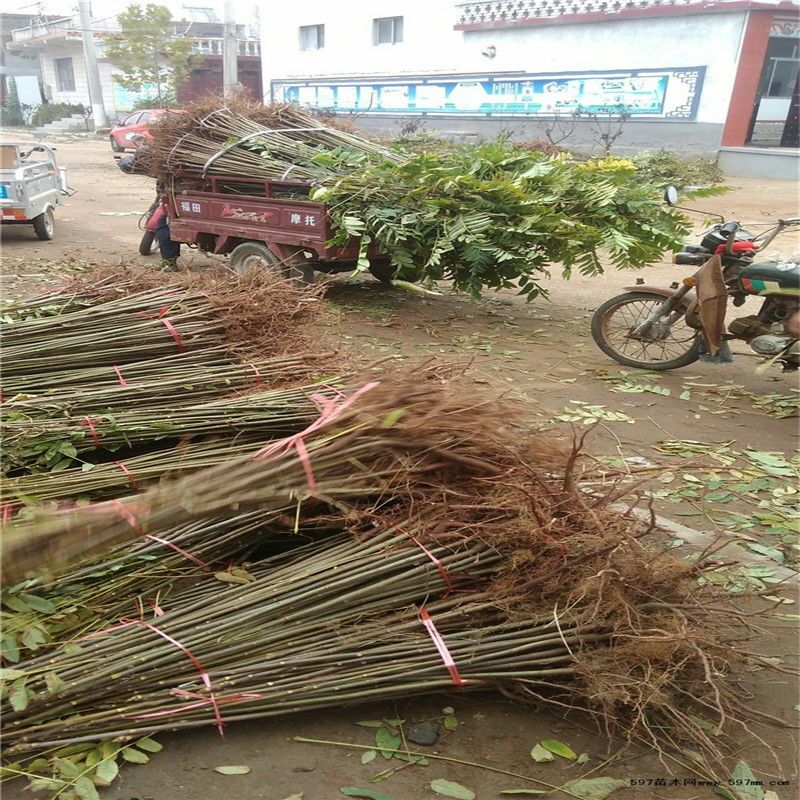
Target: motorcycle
[(654, 328)]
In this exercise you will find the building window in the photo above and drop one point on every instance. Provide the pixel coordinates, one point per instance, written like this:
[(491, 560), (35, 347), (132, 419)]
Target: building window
[(782, 76), (312, 37), (387, 30), (65, 75)]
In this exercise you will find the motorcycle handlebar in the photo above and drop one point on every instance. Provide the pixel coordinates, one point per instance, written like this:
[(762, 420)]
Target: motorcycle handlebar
[(730, 228)]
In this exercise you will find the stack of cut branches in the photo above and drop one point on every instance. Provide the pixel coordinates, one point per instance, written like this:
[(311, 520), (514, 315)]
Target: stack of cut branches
[(226, 142), (391, 550), (310, 544), (118, 367)]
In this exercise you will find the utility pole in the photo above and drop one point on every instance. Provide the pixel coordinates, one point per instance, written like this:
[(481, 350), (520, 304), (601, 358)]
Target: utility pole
[(230, 53), (92, 72)]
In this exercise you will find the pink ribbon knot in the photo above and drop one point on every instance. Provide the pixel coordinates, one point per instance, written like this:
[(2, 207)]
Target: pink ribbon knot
[(330, 409)]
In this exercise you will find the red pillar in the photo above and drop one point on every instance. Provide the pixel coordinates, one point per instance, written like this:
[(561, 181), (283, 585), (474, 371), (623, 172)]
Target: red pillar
[(748, 77)]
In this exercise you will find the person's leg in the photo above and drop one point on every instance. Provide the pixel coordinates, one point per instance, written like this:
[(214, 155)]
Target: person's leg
[(169, 249)]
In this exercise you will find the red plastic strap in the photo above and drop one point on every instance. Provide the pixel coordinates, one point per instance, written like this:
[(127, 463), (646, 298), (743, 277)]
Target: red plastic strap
[(204, 676), (177, 549), (438, 564), (441, 647), (175, 335), (103, 632), (200, 701), (258, 374), (157, 611), (131, 478), (161, 312), (88, 422), (330, 410), (7, 512), (122, 381)]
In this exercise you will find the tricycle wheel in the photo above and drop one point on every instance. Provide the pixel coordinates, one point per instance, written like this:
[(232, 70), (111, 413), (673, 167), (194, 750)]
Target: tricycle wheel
[(250, 256), (382, 271), (45, 225)]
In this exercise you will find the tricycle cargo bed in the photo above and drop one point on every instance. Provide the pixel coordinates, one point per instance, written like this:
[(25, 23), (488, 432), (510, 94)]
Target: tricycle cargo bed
[(217, 214)]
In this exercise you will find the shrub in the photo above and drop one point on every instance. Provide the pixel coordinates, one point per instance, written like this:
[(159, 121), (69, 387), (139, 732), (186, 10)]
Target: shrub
[(50, 112)]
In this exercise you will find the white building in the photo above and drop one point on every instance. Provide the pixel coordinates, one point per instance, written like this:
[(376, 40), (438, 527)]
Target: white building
[(696, 75), (59, 47)]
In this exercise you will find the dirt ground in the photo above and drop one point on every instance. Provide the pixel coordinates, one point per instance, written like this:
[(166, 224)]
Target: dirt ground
[(540, 351)]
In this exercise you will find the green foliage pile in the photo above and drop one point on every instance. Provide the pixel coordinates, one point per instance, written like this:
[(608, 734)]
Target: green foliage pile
[(50, 112), (496, 216), (666, 167)]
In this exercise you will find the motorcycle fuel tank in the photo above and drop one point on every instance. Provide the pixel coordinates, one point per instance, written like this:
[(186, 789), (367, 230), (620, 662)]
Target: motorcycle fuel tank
[(771, 277)]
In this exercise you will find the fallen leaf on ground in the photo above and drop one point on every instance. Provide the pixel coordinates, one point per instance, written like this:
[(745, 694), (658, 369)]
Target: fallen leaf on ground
[(386, 742), (149, 744), (540, 755), (135, 756), (452, 789), (594, 788), (559, 748), (744, 783), (450, 722), (366, 794), (232, 770)]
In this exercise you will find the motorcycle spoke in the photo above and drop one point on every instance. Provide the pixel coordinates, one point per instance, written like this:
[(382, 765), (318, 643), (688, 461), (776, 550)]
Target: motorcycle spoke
[(626, 317)]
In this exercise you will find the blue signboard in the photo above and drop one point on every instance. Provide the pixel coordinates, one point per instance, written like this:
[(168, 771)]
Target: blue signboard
[(660, 94)]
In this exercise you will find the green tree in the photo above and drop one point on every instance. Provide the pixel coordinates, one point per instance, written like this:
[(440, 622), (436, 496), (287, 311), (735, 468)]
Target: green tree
[(12, 110), (149, 55)]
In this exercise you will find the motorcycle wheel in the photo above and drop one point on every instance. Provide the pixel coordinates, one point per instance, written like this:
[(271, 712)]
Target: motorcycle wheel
[(148, 244), (616, 318)]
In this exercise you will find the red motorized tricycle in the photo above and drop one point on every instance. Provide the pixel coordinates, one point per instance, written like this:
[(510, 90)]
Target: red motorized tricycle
[(261, 224)]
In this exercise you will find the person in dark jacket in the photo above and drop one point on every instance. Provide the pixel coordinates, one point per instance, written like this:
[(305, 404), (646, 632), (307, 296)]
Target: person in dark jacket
[(169, 249)]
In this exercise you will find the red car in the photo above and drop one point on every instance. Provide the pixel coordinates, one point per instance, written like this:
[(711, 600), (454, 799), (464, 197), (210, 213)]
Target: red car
[(123, 136)]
